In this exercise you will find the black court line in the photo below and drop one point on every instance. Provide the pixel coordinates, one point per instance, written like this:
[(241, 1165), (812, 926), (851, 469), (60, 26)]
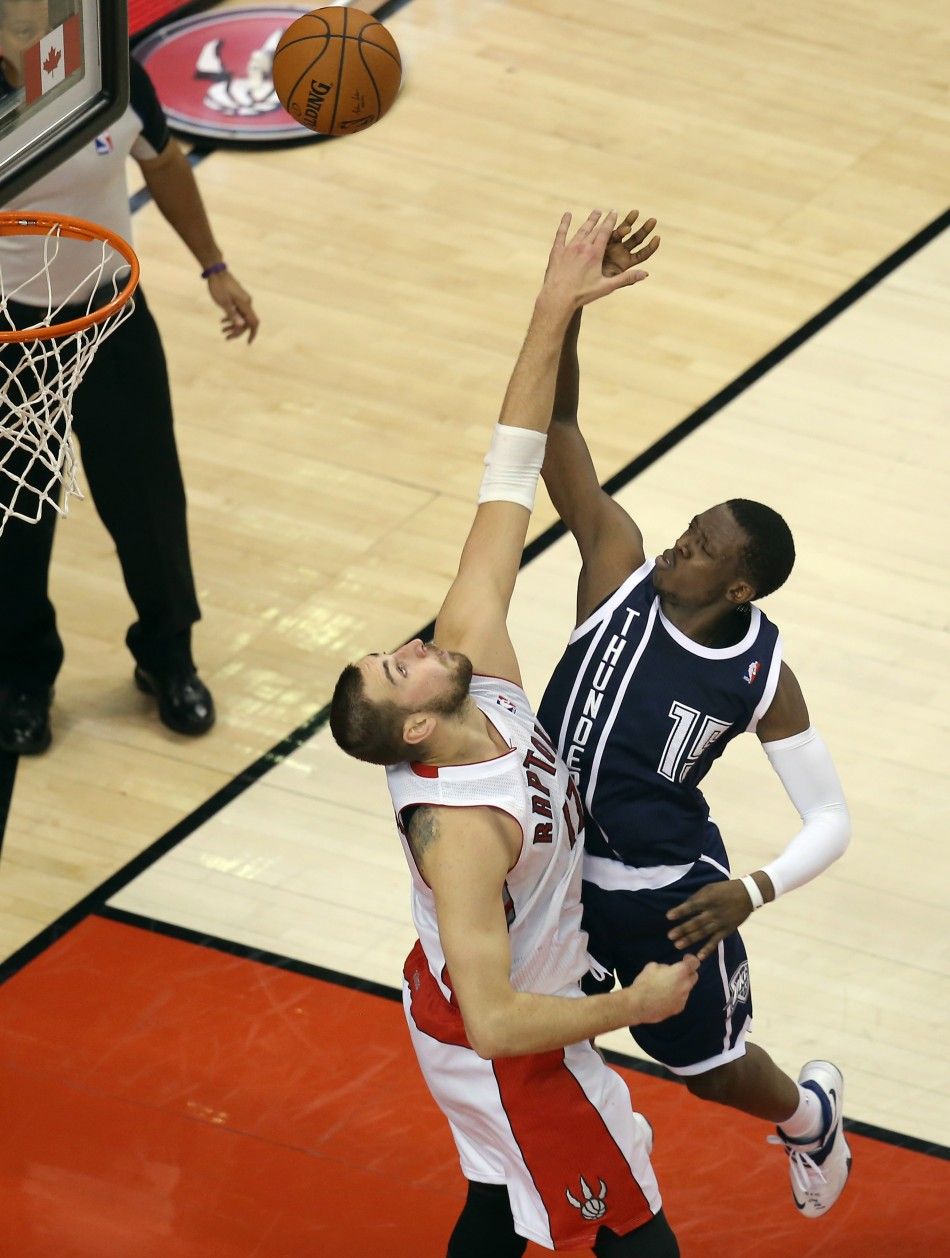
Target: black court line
[(141, 197), (306, 969), (755, 373), (8, 765), (531, 551), (276, 754), (95, 901)]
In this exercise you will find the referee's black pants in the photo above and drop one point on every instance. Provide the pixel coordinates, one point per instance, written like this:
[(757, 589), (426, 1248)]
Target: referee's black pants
[(122, 416)]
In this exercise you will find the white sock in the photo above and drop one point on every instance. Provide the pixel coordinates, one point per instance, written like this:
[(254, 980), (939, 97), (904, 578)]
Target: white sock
[(808, 1120)]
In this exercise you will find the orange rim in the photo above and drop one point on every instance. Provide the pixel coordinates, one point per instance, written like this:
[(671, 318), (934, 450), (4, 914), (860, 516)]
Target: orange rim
[(26, 223)]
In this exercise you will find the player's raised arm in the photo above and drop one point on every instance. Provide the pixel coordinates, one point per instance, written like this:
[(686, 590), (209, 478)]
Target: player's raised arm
[(473, 615), (609, 541)]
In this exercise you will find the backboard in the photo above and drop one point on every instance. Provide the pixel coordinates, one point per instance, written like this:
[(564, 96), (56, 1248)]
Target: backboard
[(65, 78)]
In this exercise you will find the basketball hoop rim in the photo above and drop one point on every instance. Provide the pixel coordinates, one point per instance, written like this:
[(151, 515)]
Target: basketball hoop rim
[(27, 223)]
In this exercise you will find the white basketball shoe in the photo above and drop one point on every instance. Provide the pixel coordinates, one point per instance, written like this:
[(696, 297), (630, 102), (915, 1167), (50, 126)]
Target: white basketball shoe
[(819, 1169)]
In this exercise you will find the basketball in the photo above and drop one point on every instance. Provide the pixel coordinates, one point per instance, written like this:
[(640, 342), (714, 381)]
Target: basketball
[(336, 70)]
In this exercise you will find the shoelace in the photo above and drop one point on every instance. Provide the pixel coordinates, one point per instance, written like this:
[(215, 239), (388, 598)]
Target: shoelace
[(804, 1168)]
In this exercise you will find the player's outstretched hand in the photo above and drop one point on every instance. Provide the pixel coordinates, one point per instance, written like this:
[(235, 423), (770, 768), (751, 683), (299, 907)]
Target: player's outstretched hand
[(575, 272), (707, 917), (235, 301), (626, 247), (661, 991)]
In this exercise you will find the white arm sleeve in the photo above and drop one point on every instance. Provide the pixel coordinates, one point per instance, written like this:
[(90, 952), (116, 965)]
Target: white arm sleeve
[(805, 768)]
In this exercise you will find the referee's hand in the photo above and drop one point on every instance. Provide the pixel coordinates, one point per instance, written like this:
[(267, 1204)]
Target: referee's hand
[(235, 301)]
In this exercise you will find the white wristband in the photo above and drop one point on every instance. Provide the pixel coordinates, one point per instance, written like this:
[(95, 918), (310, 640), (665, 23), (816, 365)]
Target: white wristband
[(513, 465), (755, 895)]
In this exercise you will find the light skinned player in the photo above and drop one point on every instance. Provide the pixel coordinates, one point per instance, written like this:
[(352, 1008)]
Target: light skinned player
[(492, 829), (670, 660)]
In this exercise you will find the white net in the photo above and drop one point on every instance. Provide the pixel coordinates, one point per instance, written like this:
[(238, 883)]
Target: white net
[(40, 372)]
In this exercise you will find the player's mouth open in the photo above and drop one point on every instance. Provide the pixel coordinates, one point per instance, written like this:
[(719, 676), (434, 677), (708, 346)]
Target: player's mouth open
[(665, 560)]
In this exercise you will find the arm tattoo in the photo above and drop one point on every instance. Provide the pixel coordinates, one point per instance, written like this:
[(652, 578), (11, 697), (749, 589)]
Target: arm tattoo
[(423, 831)]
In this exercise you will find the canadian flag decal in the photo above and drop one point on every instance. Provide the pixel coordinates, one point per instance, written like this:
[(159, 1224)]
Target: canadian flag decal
[(53, 59)]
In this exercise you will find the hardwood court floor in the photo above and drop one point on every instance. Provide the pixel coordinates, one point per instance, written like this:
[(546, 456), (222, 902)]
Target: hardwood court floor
[(211, 1105), (304, 862), (331, 469), (331, 466)]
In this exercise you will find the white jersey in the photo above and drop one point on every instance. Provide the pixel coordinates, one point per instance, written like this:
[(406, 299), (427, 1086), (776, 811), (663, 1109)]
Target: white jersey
[(543, 889)]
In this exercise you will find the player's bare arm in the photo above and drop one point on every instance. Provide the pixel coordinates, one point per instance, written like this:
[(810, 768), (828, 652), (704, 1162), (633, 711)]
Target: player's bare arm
[(801, 760), (610, 543), (787, 714), (465, 854), (473, 617)]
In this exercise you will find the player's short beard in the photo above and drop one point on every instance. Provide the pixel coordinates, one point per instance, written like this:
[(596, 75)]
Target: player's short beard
[(460, 679)]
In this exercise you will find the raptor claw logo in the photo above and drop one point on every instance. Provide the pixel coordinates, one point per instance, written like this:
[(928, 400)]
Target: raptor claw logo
[(235, 94), (591, 1207)]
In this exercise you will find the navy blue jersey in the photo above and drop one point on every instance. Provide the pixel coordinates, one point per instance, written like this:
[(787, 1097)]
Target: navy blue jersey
[(639, 712)]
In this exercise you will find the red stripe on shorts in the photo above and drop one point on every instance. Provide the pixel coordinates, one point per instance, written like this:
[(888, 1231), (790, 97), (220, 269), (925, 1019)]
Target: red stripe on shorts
[(431, 1012), (563, 1139)]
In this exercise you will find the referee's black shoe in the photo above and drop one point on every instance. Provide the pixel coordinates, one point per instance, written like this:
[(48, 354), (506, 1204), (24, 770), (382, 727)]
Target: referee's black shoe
[(24, 720), (184, 701)]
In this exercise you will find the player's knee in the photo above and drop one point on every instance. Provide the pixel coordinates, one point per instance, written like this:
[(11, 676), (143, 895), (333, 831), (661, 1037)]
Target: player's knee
[(718, 1084), (654, 1240)]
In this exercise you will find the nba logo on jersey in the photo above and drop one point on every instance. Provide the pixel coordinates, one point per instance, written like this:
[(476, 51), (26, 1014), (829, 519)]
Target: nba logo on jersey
[(104, 144), (753, 672), (506, 704)]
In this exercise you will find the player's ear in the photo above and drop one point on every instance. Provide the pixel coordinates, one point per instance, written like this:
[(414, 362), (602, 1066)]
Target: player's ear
[(417, 727), (740, 592)]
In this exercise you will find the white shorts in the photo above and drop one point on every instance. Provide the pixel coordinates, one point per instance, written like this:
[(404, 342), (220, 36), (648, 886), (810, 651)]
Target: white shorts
[(557, 1128)]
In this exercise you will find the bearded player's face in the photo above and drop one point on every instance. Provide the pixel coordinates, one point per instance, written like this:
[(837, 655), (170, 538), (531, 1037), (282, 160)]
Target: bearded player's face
[(419, 677)]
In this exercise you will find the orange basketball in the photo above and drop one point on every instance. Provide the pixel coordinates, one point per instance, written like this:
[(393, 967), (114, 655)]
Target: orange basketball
[(336, 70)]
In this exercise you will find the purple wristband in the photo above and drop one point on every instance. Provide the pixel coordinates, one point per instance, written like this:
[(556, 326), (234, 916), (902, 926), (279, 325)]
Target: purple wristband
[(214, 269)]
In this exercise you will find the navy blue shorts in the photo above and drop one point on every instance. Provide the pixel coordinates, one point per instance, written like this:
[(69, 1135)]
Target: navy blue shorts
[(627, 929)]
